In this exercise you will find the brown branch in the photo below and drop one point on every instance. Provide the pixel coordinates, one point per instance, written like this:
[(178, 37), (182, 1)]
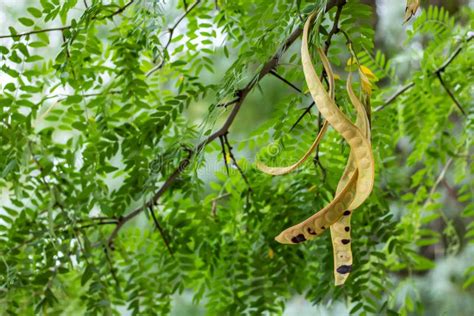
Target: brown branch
[(111, 267), (335, 27), (224, 156), (171, 31), (118, 11), (242, 95), (161, 230), (273, 72), (214, 203), (395, 96), (306, 111), (451, 95), (234, 161), (61, 29), (226, 104), (437, 72)]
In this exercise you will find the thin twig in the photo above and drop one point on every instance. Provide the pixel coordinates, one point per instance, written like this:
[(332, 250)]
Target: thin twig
[(214, 203), (306, 111), (439, 70), (316, 159), (395, 96), (234, 161), (53, 29), (451, 95), (224, 156), (273, 72), (171, 31), (161, 230), (118, 11), (226, 104), (111, 266), (335, 27)]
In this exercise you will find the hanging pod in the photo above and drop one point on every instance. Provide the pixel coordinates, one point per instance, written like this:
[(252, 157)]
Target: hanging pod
[(341, 230), (276, 171), (360, 184)]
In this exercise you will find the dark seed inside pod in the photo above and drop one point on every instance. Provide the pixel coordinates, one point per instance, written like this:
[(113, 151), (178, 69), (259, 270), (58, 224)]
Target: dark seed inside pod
[(345, 241), (299, 238), (311, 232), (347, 228), (347, 213), (344, 269)]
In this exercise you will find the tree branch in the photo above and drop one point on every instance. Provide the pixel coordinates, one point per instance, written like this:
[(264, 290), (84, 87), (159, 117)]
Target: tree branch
[(273, 72), (234, 161), (37, 32), (306, 111), (161, 230), (224, 156), (241, 96), (395, 96), (118, 11), (451, 95), (437, 72)]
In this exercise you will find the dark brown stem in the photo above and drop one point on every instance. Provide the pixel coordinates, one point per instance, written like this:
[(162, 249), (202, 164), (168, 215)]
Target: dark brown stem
[(306, 111), (451, 95), (226, 104), (335, 26), (395, 96), (234, 161), (273, 72), (111, 266), (118, 11), (221, 139), (53, 29), (161, 230)]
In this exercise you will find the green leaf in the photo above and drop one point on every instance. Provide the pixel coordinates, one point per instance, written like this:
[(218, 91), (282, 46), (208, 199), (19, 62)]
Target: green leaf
[(34, 12), (86, 276), (10, 86), (26, 21)]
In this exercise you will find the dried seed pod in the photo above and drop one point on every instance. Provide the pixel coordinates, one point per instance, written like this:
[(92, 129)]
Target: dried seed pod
[(341, 230), (363, 175), (276, 171)]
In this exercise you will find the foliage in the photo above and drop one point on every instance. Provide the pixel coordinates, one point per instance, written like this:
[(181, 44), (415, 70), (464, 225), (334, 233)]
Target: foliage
[(93, 132)]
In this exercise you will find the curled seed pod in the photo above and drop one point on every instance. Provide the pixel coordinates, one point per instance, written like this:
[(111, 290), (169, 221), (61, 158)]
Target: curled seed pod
[(359, 145), (276, 171), (363, 176)]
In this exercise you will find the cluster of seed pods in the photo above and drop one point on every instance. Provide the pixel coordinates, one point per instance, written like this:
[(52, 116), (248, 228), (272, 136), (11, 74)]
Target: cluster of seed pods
[(357, 180)]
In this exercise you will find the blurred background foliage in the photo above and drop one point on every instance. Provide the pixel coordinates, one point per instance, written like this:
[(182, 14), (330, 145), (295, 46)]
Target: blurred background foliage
[(102, 100)]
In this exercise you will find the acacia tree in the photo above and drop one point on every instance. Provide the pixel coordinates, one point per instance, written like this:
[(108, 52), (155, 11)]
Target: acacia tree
[(107, 199)]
